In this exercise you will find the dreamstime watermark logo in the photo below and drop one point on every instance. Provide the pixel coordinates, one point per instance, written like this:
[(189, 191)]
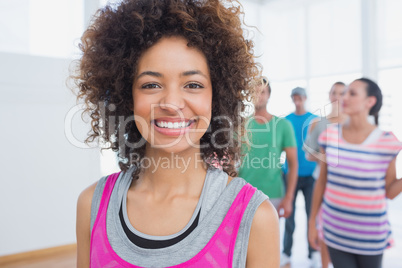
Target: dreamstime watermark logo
[(173, 161), (269, 130), (270, 161), (322, 123), (69, 127), (228, 130), (148, 129)]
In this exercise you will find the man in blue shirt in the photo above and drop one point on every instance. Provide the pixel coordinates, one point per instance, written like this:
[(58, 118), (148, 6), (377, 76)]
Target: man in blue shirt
[(300, 120)]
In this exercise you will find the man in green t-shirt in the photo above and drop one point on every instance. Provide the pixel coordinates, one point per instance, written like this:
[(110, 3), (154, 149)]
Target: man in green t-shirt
[(268, 137)]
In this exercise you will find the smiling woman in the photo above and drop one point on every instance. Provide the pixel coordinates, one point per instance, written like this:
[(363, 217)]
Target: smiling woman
[(110, 62), (173, 93), (165, 83)]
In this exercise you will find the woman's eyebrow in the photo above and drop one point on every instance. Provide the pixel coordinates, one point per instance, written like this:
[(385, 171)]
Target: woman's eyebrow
[(156, 74), (193, 72)]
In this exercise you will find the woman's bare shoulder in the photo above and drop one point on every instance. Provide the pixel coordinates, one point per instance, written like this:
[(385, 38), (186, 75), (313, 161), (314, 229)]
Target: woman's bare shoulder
[(83, 225), (85, 198), (263, 248)]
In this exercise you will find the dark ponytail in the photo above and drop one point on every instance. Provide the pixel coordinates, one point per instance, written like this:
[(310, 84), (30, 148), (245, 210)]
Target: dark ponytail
[(373, 90), (376, 119)]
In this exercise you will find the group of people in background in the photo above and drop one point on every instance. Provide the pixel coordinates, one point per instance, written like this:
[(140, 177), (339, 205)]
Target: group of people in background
[(342, 163)]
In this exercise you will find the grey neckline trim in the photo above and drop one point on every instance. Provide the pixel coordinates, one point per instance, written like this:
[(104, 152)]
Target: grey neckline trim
[(183, 243), (166, 237)]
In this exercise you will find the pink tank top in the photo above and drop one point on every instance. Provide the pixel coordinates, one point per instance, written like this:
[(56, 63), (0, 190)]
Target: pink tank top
[(218, 252)]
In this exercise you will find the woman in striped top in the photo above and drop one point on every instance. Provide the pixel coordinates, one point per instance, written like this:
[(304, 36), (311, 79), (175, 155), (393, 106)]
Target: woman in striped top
[(359, 174)]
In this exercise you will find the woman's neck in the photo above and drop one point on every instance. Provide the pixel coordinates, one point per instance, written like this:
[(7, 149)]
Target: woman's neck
[(358, 123), (165, 174), (335, 116)]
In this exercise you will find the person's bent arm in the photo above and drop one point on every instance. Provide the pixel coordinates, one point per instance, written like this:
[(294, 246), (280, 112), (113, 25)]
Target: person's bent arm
[(83, 226), (287, 202), (393, 186), (318, 193), (263, 247), (310, 154)]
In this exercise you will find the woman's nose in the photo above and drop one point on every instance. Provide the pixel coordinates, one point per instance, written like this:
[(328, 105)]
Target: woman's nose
[(172, 100)]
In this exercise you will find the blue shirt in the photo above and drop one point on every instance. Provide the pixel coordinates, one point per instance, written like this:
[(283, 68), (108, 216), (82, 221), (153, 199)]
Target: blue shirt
[(301, 124)]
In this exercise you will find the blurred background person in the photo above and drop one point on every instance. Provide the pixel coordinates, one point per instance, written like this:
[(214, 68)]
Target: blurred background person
[(356, 178), (311, 147), (268, 137), (300, 120)]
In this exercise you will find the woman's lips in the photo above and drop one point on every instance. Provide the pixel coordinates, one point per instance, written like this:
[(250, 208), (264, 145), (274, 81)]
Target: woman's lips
[(172, 126)]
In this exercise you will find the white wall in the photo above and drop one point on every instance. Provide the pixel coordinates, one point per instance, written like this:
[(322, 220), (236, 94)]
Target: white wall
[(42, 173)]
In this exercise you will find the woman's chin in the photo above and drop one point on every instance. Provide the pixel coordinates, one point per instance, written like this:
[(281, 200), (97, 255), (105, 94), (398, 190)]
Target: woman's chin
[(175, 147)]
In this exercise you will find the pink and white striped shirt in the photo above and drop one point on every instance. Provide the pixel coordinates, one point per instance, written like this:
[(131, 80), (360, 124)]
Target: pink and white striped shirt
[(354, 206)]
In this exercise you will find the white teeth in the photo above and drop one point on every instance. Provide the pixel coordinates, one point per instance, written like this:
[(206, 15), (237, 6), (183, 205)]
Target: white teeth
[(172, 125)]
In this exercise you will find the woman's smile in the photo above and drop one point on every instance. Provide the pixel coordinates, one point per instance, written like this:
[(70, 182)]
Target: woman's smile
[(173, 126)]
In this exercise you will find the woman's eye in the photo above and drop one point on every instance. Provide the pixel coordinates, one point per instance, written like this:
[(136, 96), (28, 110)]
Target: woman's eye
[(150, 86), (194, 86)]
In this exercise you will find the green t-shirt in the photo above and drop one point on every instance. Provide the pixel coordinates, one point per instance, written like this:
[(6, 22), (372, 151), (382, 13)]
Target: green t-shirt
[(261, 165)]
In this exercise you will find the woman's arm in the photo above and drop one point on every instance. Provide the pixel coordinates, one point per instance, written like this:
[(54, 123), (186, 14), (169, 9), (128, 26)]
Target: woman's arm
[(312, 156), (83, 226), (287, 202), (393, 186), (263, 247), (319, 189), (310, 153)]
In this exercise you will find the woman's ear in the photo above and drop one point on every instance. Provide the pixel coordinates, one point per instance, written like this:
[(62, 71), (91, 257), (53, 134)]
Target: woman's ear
[(371, 101)]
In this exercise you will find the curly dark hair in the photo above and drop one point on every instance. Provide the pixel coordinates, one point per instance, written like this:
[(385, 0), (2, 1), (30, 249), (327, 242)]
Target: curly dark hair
[(119, 35)]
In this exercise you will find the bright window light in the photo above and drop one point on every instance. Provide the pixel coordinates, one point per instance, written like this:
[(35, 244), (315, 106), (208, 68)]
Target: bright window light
[(41, 27)]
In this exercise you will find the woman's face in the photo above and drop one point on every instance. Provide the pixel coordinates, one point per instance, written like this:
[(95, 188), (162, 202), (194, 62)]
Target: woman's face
[(172, 95), (336, 93), (355, 99)]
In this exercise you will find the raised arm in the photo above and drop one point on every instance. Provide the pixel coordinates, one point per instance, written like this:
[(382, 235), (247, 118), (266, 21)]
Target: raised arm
[(318, 193), (286, 204), (83, 226), (263, 247), (393, 186)]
